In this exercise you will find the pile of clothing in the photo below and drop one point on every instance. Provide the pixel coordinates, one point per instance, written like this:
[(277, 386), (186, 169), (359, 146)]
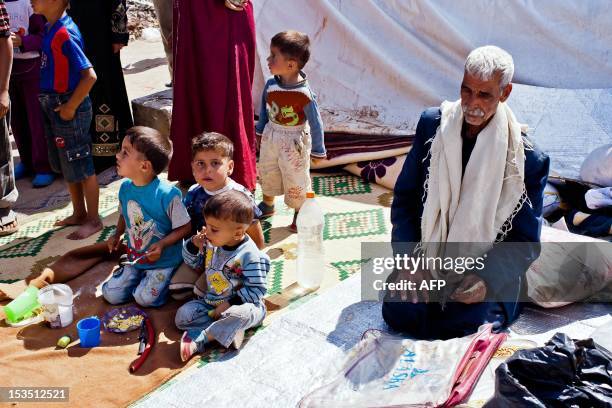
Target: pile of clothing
[(586, 204)]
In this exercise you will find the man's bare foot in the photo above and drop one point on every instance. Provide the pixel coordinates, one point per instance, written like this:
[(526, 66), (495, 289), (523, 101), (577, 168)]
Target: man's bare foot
[(74, 219), (87, 229)]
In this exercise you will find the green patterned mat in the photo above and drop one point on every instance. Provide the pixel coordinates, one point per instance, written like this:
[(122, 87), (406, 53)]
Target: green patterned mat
[(355, 212)]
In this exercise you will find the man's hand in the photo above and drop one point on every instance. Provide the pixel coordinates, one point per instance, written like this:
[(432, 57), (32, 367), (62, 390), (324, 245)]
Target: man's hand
[(415, 295), (154, 252), (117, 47), (66, 112), (16, 38), (216, 312), (4, 103), (472, 289), (113, 243), (199, 239)]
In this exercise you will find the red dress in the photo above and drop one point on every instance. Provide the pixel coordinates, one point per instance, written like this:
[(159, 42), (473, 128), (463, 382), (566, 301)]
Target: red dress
[(214, 60)]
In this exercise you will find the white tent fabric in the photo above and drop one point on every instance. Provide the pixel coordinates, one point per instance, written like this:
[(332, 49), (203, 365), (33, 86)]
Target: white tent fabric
[(376, 64), (567, 124)]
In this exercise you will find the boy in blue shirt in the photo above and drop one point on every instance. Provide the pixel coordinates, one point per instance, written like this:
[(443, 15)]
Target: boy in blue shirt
[(212, 165), (235, 273), (66, 77), (154, 217)]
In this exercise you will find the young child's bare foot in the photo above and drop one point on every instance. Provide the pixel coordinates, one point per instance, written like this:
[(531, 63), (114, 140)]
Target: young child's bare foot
[(188, 347), (238, 340), (4, 296), (12, 290), (86, 229), (74, 219)]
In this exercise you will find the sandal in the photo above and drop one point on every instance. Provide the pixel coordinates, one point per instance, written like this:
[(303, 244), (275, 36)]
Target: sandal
[(8, 229), (21, 171), (188, 347), (266, 209), (43, 180)]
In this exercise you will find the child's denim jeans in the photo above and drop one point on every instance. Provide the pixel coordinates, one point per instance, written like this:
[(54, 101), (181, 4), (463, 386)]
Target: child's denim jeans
[(69, 142), (193, 317), (148, 287)]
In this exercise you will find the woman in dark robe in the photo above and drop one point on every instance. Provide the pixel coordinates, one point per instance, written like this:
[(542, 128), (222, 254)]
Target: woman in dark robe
[(103, 24), (214, 61)]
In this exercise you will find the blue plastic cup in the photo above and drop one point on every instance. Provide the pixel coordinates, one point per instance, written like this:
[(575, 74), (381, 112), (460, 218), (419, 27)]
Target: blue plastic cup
[(89, 331)]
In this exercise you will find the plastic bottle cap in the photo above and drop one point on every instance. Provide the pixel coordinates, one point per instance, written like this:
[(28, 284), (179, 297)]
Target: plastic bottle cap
[(310, 194)]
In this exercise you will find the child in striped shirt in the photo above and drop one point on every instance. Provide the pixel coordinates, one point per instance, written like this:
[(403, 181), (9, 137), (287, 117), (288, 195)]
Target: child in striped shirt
[(235, 271)]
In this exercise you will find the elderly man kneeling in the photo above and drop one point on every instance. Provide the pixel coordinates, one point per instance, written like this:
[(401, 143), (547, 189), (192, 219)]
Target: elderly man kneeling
[(471, 176)]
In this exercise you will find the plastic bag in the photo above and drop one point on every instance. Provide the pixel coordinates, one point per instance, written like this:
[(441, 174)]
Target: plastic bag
[(385, 370), (563, 373), (597, 198), (597, 167), (603, 336), (570, 268)]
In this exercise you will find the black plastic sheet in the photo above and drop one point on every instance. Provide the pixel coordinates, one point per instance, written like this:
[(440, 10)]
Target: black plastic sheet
[(563, 373)]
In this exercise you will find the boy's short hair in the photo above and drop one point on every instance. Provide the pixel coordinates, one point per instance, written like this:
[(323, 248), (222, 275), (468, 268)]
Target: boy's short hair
[(230, 205), (294, 45), (156, 148), (212, 141)]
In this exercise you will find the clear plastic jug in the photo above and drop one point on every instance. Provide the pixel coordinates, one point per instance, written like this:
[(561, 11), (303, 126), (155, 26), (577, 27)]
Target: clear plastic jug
[(310, 253)]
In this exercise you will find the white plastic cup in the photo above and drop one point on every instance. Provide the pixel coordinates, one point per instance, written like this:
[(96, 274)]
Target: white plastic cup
[(56, 301)]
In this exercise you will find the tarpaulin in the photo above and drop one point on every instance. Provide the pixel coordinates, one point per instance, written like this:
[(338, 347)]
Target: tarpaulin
[(375, 64)]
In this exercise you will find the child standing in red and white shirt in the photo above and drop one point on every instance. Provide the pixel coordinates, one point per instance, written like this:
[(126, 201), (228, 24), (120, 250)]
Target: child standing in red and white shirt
[(289, 125)]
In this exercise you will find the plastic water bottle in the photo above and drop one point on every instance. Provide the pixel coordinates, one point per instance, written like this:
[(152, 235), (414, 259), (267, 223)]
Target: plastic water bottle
[(310, 254)]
